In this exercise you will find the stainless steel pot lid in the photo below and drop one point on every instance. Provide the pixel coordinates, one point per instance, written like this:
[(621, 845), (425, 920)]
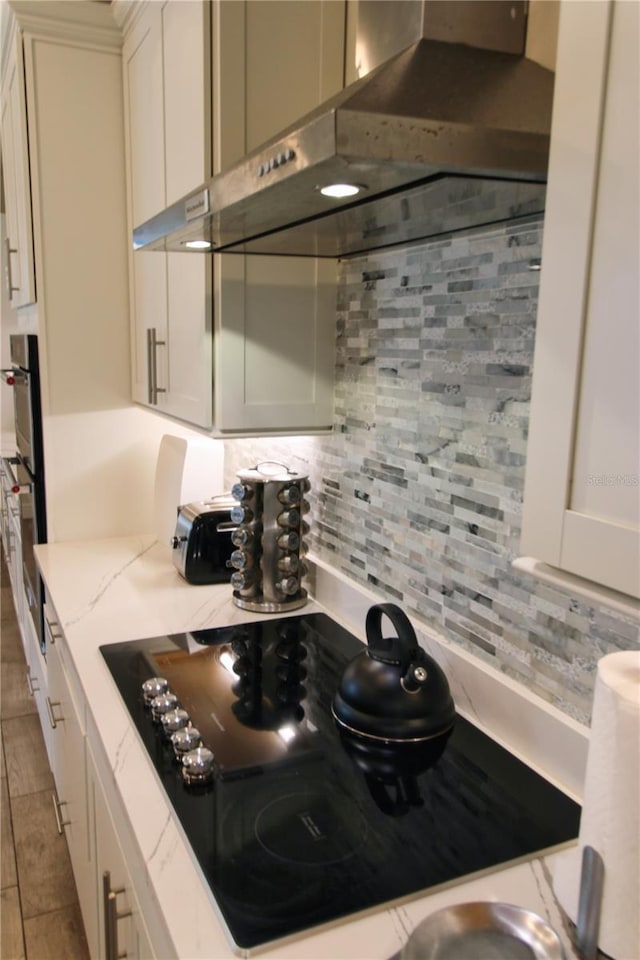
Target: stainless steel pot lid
[(483, 931)]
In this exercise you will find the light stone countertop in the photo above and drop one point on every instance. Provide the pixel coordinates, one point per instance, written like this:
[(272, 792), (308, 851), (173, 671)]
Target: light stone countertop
[(127, 588)]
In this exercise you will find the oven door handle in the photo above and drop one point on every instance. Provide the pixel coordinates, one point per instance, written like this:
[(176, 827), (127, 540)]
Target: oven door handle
[(15, 486), (11, 376)]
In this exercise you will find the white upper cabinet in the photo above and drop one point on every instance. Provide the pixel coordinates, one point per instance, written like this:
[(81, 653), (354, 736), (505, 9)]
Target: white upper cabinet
[(582, 494), (17, 258), (226, 342), (164, 62), (274, 316)]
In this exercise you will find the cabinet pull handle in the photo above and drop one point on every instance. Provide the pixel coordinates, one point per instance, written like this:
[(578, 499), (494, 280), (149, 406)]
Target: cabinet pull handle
[(15, 487), (33, 689), (31, 600), (57, 804), (54, 721), (152, 366), (53, 630), (111, 917), (10, 287)]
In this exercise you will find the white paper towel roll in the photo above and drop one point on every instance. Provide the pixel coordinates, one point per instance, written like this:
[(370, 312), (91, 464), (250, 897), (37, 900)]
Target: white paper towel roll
[(186, 471), (610, 819)]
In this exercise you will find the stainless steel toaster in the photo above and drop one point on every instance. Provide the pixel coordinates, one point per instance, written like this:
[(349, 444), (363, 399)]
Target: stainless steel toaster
[(201, 546)]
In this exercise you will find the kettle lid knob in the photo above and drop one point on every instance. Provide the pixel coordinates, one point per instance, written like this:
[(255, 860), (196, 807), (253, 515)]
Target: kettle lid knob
[(415, 678)]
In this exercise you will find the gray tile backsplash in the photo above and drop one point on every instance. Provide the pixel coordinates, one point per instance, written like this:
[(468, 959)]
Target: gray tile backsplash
[(418, 492)]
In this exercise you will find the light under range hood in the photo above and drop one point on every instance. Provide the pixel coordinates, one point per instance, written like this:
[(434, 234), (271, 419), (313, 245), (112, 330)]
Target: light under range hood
[(440, 137)]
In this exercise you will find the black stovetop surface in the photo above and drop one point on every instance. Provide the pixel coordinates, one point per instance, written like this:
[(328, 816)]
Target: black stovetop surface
[(296, 829)]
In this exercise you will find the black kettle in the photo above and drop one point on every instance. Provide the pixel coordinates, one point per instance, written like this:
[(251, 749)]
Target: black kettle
[(394, 691)]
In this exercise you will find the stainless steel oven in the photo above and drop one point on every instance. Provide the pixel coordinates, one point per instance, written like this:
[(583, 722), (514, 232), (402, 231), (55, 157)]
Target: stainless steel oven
[(20, 505), (21, 377), (23, 475), (10, 525)]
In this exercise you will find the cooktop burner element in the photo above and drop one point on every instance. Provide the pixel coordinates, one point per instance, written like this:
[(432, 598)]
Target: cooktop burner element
[(297, 825), (309, 828)]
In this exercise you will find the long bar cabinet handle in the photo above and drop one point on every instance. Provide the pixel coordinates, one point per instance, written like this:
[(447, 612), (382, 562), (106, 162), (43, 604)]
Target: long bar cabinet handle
[(11, 377), (15, 486), (32, 688), (57, 804), (10, 287), (31, 600), (54, 630), (8, 540), (152, 366), (54, 721), (111, 917)]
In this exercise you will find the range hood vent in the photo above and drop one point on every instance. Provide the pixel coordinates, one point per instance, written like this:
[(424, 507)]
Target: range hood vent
[(440, 137)]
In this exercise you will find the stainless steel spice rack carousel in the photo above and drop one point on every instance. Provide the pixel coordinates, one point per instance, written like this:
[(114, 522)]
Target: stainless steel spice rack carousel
[(269, 539)]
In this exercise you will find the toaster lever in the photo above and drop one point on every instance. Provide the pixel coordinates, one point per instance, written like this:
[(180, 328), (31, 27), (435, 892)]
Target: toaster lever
[(226, 526), (176, 541)]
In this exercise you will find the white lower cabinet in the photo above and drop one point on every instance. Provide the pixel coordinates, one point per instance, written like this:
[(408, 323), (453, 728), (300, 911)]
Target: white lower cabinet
[(13, 552), (67, 736), (121, 929), (110, 909), (37, 679)]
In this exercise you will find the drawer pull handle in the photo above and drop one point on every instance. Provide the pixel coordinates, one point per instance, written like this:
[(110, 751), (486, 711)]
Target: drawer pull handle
[(152, 366), (54, 630), (111, 917), (33, 688), (54, 721), (57, 804), (10, 287)]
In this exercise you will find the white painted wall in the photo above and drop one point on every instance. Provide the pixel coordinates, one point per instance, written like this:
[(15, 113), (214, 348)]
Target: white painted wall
[(101, 471)]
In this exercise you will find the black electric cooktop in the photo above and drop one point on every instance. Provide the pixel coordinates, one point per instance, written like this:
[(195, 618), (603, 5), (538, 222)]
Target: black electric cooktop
[(300, 826)]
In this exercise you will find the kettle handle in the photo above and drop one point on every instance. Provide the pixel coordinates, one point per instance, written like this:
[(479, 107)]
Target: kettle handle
[(401, 649)]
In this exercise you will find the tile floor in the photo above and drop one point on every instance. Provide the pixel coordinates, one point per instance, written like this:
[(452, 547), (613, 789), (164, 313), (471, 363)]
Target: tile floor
[(39, 913)]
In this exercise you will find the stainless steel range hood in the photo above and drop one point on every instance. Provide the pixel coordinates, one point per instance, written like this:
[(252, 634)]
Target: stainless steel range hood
[(442, 136)]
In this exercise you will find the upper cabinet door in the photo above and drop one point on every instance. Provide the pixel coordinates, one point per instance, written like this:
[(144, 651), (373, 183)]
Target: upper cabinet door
[(186, 53), (166, 81), (581, 506), (17, 258), (144, 144), (187, 150), (274, 316), (299, 47), (144, 116)]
